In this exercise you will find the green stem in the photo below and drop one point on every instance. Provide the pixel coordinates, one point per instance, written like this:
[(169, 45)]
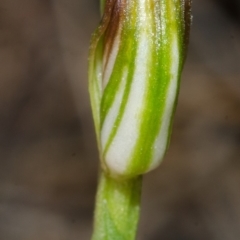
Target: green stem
[(102, 5), (117, 209)]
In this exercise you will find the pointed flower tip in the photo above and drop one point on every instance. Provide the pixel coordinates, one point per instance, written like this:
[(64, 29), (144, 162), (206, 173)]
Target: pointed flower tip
[(136, 61)]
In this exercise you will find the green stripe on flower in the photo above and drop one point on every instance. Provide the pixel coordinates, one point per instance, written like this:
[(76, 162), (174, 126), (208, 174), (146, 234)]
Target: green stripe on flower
[(136, 60)]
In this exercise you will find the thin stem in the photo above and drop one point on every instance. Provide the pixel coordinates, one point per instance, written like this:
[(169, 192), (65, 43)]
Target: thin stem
[(102, 5), (117, 209)]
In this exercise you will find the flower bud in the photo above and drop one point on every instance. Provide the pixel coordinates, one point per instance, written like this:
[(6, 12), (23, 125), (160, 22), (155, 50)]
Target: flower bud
[(136, 59)]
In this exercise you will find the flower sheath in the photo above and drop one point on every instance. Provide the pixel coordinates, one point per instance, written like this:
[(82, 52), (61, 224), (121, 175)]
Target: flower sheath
[(136, 59)]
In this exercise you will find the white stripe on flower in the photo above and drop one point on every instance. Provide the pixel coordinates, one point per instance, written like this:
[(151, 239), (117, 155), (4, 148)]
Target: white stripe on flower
[(120, 151), (113, 112), (161, 141)]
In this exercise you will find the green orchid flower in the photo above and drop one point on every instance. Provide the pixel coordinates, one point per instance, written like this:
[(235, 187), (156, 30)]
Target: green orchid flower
[(136, 60)]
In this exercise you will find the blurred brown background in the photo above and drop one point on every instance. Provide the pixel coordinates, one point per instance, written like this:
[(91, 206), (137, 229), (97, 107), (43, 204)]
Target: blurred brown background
[(48, 155)]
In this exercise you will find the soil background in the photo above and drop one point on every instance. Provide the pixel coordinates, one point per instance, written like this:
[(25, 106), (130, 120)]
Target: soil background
[(48, 154)]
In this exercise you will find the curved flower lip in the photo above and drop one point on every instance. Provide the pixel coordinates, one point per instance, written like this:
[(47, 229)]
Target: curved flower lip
[(136, 59)]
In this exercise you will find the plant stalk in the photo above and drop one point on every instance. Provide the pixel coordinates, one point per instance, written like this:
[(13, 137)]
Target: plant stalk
[(102, 5), (117, 208)]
